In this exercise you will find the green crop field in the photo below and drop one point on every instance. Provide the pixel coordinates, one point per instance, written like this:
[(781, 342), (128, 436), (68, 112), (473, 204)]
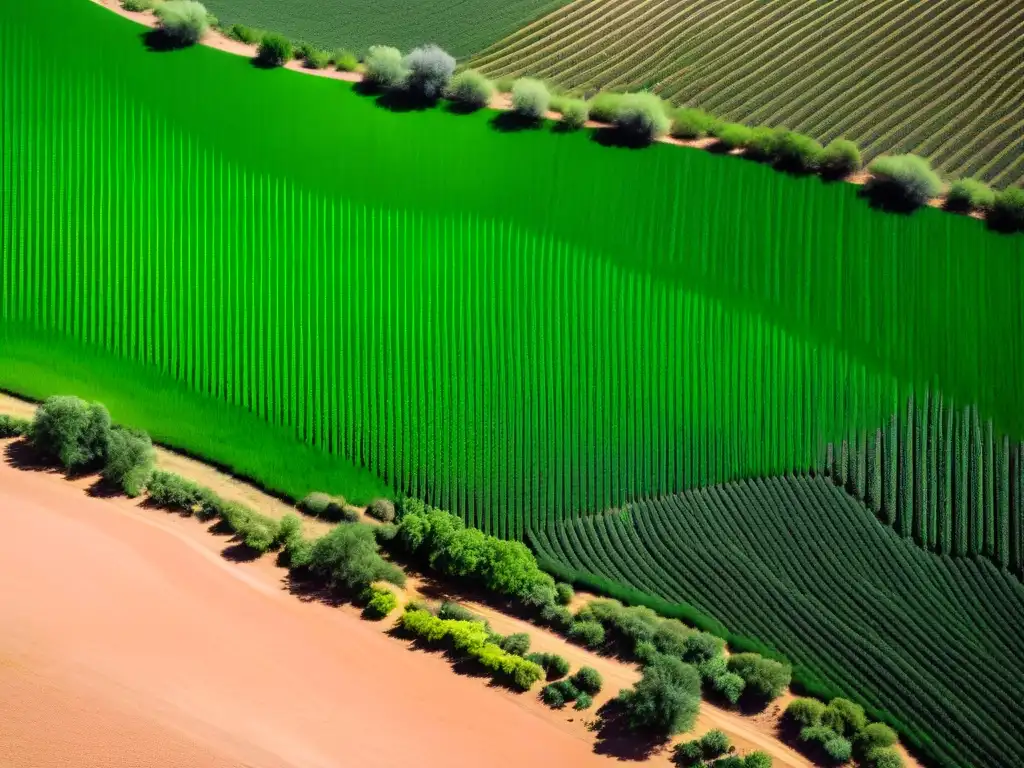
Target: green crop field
[(941, 79), (460, 26), (799, 564), (526, 327)]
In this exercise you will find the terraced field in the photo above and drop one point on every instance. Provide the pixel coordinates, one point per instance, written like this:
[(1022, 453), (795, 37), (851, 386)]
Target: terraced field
[(460, 26), (941, 78), (799, 564)]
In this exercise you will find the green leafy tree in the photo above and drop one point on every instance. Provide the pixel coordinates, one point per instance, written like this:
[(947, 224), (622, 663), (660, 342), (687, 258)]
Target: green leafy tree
[(588, 679), (714, 744), (666, 699), (471, 89), (70, 431), (183, 21), (385, 67), (430, 70), (274, 50), (805, 712), (765, 678), (530, 98), (844, 717), (130, 459), (348, 556)]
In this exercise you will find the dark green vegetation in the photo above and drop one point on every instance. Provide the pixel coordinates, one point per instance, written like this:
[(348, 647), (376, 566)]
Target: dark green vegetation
[(801, 565), (462, 27)]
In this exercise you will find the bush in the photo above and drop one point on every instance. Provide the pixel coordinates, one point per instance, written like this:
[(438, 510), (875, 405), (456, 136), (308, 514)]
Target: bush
[(345, 60), (839, 158), (552, 696), (569, 691), (471, 89), (833, 746), (518, 643), (884, 757), (554, 665), (732, 761), (274, 50), (641, 117), (838, 750), (645, 650), (175, 492), (733, 135), (289, 530), (348, 556), (138, 5), (1007, 212), (452, 610), (70, 431), (588, 680), (969, 195), (584, 701), (385, 532), (804, 713), (129, 460), (764, 678), (257, 531), (700, 647), (906, 180), (316, 58), (796, 152), (564, 593), (687, 753), (385, 67), (690, 123), (183, 21), (729, 685), (556, 616), (588, 633), (757, 760), (763, 143), (430, 69), (382, 509), (12, 426), (244, 34), (530, 98), (714, 744), (381, 603), (605, 107), (575, 114), (327, 507), (666, 700), (874, 736), (844, 717)]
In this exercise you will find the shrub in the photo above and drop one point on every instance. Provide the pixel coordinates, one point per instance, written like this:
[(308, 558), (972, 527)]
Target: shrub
[(666, 700), (257, 531), (175, 492), (588, 680), (714, 744), (904, 179), (129, 460), (274, 50), (345, 60), (797, 152), (471, 89), (641, 117), (805, 713), (12, 426), (588, 633), (687, 753), (757, 760), (700, 647), (670, 637), (385, 67), (969, 195), (452, 610), (834, 747), (430, 69), (838, 750), (530, 98), (874, 736), (381, 603), (763, 143), (733, 135), (564, 593), (138, 5), (884, 757), (764, 678), (839, 158), (317, 59), (385, 532), (552, 696), (554, 665), (556, 616), (575, 113), (244, 34), (70, 431), (844, 717), (690, 123), (605, 107), (518, 643), (584, 701), (714, 667), (645, 650), (569, 691), (327, 507), (729, 685), (382, 509), (348, 556), (1007, 212), (183, 21), (289, 530), (731, 761)]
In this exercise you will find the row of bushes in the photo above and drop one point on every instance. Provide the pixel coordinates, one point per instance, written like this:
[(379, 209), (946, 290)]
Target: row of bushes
[(472, 639), (714, 749), (836, 732)]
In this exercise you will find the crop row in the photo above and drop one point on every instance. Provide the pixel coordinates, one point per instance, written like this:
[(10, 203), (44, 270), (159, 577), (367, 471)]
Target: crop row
[(803, 567), (934, 79)]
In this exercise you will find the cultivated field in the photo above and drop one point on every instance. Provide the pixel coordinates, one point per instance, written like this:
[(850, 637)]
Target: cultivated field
[(461, 26), (799, 564), (940, 79)]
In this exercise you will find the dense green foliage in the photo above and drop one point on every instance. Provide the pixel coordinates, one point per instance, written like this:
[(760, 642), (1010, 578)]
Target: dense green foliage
[(1007, 212), (274, 50), (327, 507), (714, 744), (348, 557), (575, 113), (969, 195), (929, 78), (666, 699), (385, 67), (555, 666), (530, 98), (382, 510), (642, 117), (183, 21), (381, 602), (129, 460), (12, 426), (588, 680), (916, 638), (689, 123), (909, 178), (839, 158), (471, 89), (71, 432)]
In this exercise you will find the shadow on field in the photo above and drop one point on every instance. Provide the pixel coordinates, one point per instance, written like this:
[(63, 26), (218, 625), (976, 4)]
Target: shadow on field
[(20, 455), (158, 41), (883, 195), (513, 122), (616, 137), (616, 739), (461, 108), (104, 489)]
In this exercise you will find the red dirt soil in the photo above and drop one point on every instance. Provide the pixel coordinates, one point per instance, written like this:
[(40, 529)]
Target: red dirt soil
[(127, 642)]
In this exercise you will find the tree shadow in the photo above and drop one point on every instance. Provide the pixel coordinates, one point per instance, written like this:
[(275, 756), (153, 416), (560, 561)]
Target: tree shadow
[(403, 100), (259, 62), (719, 147), (751, 704), (513, 122), (617, 739), (366, 88), (309, 588), (104, 489), (461, 108), (21, 455), (1004, 224), (616, 137), (158, 41), (884, 195), (240, 552)]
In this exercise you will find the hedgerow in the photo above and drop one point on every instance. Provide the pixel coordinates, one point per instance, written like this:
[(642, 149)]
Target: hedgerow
[(575, 113), (348, 556), (1007, 211), (129, 460), (554, 665), (904, 179), (345, 60), (688, 123), (12, 426), (764, 678), (641, 117), (969, 195), (839, 158)]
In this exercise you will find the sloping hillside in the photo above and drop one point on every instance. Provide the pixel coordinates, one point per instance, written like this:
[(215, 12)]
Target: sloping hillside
[(941, 78)]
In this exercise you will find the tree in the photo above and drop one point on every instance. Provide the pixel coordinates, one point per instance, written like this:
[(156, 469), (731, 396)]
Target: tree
[(796, 152), (687, 753), (588, 679), (382, 509), (564, 593), (701, 646), (471, 89), (274, 50), (381, 603), (588, 633), (348, 556), (903, 181), (518, 643), (430, 69), (839, 158), (805, 712), (385, 67), (70, 431), (764, 678), (641, 117), (969, 195), (575, 113), (583, 701), (530, 98), (129, 460), (844, 717), (666, 699), (714, 744), (874, 736), (183, 21), (757, 760), (885, 757), (729, 685), (691, 123), (552, 696)]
